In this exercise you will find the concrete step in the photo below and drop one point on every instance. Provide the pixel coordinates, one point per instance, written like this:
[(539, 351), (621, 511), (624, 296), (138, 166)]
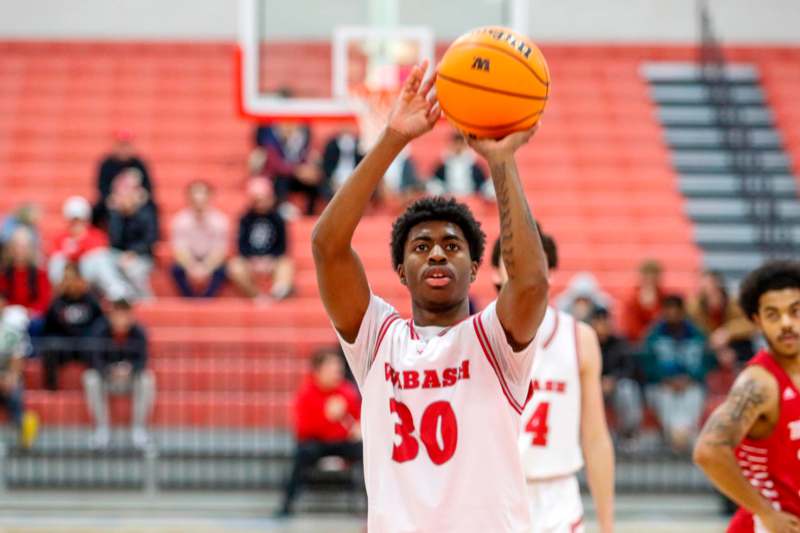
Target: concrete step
[(685, 72), (736, 210), (708, 116), (705, 138), (698, 93), (706, 160), (728, 185)]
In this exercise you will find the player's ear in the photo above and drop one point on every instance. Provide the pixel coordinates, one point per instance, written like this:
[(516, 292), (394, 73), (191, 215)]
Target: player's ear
[(401, 272), (473, 271)]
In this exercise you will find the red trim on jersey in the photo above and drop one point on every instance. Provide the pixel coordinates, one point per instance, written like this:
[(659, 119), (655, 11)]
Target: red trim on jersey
[(414, 334), (483, 339), (573, 527), (387, 323), (552, 335)]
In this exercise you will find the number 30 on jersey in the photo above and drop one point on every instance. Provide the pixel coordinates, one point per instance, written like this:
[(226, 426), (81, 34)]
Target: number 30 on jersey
[(438, 431)]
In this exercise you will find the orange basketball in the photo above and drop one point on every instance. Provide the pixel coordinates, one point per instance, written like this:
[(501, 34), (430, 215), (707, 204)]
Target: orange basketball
[(493, 81)]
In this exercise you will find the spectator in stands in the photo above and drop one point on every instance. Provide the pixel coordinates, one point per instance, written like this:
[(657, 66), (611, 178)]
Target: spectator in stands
[(27, 215), (132, 230), (401, 182), (719, 380), (582, 296), (339, 158), (621, 388), (67, 324), (123, 156), (643, 304), (14, 347), (200, 236), (675, 363), (283, 153), (262, 245), (720, 317), (327, 410), (118, 366), (88, 246), (459, 173), (22, 280)]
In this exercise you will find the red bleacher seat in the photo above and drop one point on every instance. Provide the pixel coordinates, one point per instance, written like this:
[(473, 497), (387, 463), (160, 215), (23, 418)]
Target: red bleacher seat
[(598, 177)]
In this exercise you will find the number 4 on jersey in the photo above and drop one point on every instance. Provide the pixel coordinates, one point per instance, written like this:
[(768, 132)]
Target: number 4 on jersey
[(537, 425)]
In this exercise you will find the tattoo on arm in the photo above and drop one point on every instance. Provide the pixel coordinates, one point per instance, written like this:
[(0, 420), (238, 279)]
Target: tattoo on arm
[(731, 422), (503, 194), (506, 232)]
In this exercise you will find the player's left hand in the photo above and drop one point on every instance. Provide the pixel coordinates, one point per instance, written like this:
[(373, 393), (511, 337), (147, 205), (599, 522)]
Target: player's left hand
[(499, 149)]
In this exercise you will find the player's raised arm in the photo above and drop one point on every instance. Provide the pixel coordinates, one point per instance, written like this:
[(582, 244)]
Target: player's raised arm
[(340, 275), (523, 299), (753, 395)]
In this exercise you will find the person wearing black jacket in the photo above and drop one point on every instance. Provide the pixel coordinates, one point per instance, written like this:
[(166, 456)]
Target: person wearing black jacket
[(262, 245), (621, 388), (122, 157), (132, 231), (459, 173), (66, 324), (118, 365), (339, 158)]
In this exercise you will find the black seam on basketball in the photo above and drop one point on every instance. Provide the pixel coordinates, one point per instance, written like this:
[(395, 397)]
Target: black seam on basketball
[(495, 127), (505, 52), (490, 89)]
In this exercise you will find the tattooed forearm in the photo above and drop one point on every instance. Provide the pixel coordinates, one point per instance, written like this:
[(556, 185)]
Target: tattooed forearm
[(732, 420), (503, 184), (503, 203)]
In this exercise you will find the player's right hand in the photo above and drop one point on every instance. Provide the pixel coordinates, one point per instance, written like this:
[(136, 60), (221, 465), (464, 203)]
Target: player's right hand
[(416, 110), (779, 522)]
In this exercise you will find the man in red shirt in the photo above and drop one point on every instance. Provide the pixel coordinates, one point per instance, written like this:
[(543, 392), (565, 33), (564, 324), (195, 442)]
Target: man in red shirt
[(642, 306), (327, 410)]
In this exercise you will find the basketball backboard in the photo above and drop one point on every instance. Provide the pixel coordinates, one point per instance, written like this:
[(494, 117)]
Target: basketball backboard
[(314, 59)]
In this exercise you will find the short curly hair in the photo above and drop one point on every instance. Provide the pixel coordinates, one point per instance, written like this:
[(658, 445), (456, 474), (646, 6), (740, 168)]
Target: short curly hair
[(437, 208), (772, 276)]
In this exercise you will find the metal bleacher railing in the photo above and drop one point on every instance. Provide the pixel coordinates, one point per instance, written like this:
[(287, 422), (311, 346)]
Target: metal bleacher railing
[(774, 239)]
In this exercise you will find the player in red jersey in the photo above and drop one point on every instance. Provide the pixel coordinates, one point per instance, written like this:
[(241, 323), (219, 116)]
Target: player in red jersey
[(750, 446)]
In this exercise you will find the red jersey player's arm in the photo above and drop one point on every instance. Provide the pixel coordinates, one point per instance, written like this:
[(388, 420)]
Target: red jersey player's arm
[(523, 299), (340, 274), (754, 395), (598, 451)]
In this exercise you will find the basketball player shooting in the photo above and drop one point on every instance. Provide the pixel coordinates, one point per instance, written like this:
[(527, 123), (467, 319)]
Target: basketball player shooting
[(564, 423), (443, 392), (750, 446)]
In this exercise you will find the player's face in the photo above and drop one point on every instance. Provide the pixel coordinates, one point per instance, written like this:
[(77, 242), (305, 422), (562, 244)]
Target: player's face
[(437, 266), (779, 318)]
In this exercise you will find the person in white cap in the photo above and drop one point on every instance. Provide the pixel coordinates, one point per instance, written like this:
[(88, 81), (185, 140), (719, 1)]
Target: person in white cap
[(87, 246)]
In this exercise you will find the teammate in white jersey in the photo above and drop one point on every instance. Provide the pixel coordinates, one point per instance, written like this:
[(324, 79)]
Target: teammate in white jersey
[(564, 422), (442, 392)]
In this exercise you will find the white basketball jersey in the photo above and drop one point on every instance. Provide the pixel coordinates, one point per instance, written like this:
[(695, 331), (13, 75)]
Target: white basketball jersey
[(440, 420), (549, 441)]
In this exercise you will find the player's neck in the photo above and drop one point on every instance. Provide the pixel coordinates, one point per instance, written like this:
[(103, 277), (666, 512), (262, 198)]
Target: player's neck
[(440, 317), (791, 365)]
